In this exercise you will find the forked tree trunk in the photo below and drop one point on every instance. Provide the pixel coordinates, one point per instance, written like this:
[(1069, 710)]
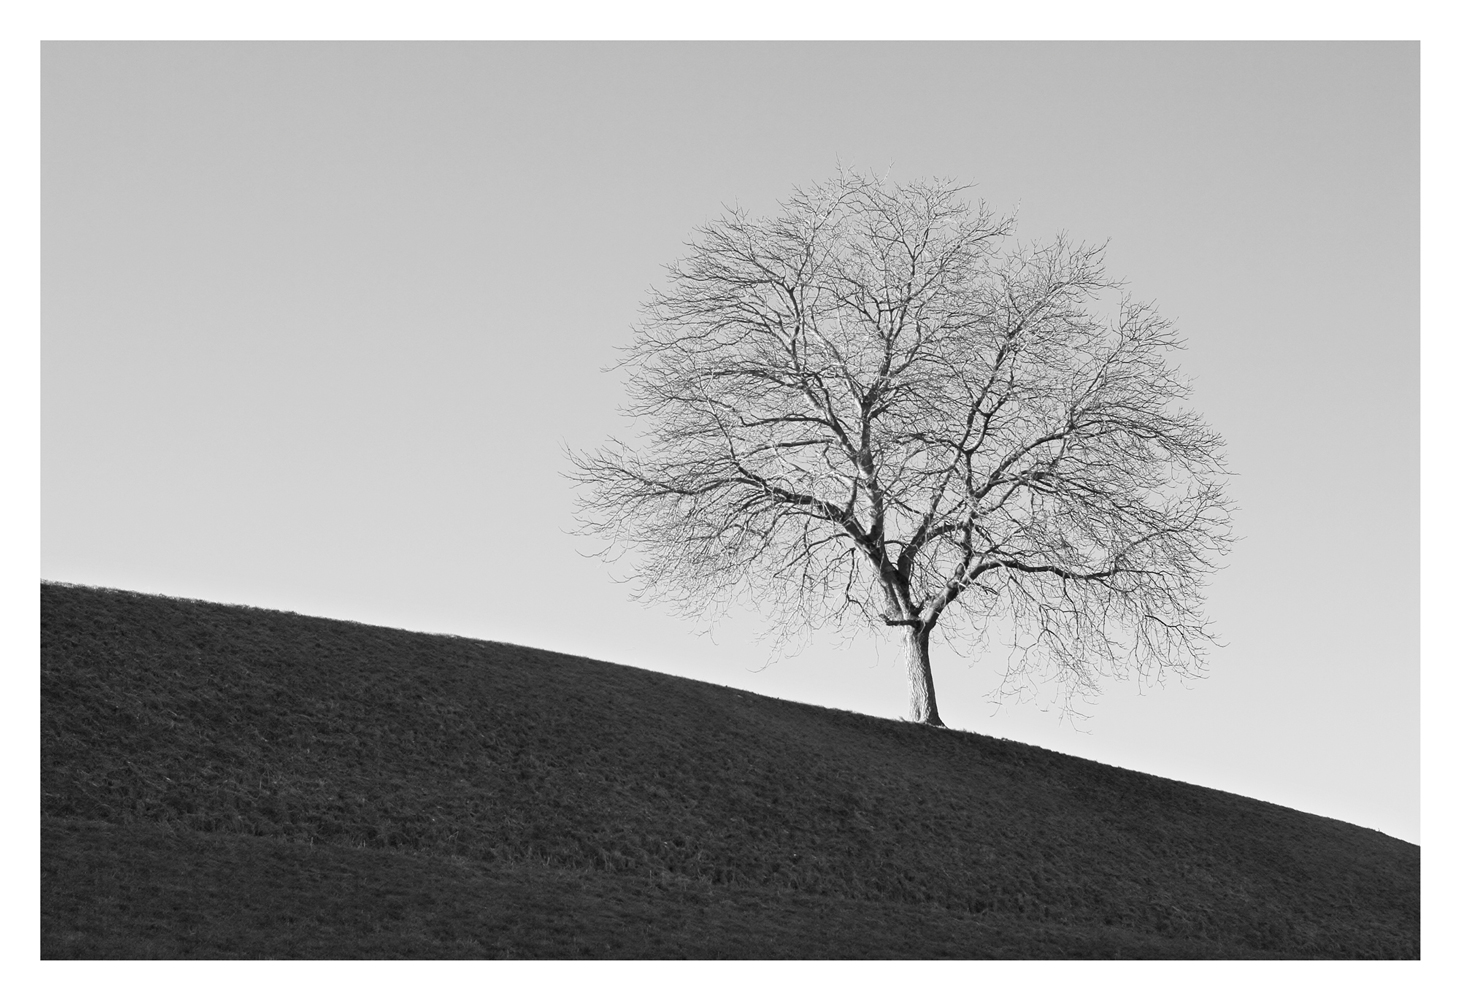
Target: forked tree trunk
[(923, 704)]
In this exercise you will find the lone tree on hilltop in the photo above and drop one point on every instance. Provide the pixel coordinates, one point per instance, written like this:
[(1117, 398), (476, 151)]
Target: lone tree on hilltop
[(876, 407)]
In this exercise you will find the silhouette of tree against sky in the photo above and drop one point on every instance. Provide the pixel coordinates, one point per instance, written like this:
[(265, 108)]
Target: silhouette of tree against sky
[(879, 409)]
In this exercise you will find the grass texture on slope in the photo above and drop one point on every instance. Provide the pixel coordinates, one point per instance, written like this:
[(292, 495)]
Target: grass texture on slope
[(226, 781)]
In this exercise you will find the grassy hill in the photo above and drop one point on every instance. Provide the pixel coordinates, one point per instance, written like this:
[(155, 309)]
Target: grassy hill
[(220, 781)]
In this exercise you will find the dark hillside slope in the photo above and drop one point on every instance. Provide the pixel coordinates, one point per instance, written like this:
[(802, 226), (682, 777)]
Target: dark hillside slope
[(220, 780)]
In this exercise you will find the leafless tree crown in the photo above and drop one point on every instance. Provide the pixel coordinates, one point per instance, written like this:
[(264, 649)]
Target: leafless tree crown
[(877, 406)]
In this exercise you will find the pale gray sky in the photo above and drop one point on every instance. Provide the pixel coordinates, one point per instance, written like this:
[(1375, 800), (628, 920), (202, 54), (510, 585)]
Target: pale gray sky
[(318, 317)]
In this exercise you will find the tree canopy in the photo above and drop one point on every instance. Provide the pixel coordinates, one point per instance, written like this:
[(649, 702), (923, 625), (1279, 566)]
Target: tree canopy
[(878, 407)]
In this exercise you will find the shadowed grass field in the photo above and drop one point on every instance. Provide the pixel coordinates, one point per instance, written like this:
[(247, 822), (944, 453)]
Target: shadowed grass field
[(220, 781)]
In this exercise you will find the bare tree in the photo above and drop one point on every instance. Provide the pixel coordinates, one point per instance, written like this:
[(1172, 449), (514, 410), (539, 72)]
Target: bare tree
[(877, 407)]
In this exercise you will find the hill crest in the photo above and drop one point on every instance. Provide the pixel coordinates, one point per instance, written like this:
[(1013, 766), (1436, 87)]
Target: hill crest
[(225, 721)]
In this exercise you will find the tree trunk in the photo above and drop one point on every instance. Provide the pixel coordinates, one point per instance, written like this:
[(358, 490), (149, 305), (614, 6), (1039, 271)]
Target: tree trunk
[(923, 704)]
